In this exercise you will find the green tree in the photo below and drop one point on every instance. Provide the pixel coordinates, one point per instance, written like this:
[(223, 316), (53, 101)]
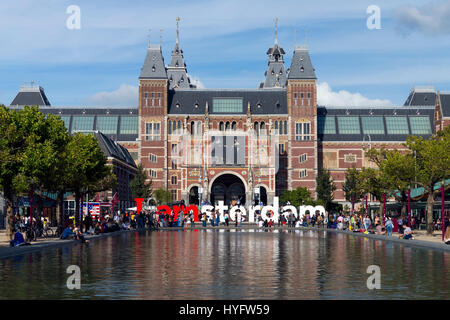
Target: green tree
[(352, 185), (297, 197), (325, 187), (432, 164), (139, 187), (86, 166), (29, 145), (162, 196), (396, 172)]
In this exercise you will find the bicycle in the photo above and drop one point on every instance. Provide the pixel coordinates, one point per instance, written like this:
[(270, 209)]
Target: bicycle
[(47, 232)]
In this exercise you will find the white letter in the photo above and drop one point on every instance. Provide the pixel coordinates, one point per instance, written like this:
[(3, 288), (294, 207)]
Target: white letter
[(74, 281), (374, 281), (74, 21), (274, 208), (373, 21), (221, 208)]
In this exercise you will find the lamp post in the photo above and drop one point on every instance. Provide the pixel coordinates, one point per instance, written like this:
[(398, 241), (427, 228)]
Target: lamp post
[(409, 208)]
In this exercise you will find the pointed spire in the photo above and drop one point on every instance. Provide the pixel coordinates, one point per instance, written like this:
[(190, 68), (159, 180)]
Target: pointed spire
[(160, 36), (276, 31), (178, 30), (148, 37)]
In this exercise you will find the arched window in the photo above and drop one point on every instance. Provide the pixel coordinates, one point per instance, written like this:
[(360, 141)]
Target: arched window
[(192, 128), (221, 126), (170, 127), (256, 127), (280, 132), (276, 126), (174, 127), (227, 126), (199, 128), (263, 128), (285, 127), (179, 127), (233, 126)]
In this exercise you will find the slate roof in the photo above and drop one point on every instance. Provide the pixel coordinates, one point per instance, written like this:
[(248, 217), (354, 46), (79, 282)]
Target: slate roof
[(276, 72), (154, 67), (445, 103), (421, 97), (266, 98), (112, 149), (31, 96), (301, 66), (384, 112)]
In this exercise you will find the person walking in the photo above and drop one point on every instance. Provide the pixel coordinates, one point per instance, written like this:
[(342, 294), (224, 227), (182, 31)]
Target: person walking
[(226, 218), (389, 226), (400, 225)]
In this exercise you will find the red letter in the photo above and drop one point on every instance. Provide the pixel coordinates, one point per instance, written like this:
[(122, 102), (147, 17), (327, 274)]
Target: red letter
[(139, 203), (193, 208)]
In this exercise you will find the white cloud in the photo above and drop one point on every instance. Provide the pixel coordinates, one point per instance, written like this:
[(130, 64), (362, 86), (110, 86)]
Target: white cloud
[(126, 95), (196, 81), (327, 97), (431, 18)]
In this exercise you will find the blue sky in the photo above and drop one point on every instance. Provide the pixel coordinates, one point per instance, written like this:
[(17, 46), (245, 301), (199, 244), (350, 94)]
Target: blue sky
[(224, 44)]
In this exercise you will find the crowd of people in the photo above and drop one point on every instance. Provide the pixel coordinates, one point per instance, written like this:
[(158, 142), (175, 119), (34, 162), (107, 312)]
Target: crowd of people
[(126, 220)]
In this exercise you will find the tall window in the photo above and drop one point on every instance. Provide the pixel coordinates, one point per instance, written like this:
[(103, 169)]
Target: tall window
[(281, 148), (159, 98), (303, 131), (146, 99), (174, 180), (174, 195), (303, 173), (152, 158), (295, 98), (152, 173), (152, 131), (153, 98)]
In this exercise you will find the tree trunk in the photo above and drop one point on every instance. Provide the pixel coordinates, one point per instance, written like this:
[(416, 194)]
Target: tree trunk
[(59, 208), (404, 211), (430, 204), (77, 207), (381, 209), (9, 213)]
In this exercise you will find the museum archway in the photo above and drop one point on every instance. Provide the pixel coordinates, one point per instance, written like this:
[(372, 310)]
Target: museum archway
[(228, 188), (193, 196)]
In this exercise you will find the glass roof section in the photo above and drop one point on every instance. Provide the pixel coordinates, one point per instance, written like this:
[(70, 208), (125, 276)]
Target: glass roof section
[(372, 125), (348, 125), (396, 125)]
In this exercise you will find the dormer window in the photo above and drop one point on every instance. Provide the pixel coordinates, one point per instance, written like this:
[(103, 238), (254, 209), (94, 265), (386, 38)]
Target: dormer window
[(196, 105), (182, 79), (273, 72), (177, 105), (259, 105), (302, 69), (176, 64), (281, 72), (153, 68)]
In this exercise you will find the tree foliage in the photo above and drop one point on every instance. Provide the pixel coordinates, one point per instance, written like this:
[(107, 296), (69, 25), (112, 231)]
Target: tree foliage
[(162, 196), (325, 187), (298, 197), (139, 187)]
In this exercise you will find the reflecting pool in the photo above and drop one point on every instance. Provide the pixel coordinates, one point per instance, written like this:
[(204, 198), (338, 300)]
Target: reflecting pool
[(228, 264)]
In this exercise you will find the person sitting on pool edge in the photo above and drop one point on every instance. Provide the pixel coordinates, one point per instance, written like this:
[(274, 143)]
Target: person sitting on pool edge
[(18, 240), (67, 233), (407, 233)]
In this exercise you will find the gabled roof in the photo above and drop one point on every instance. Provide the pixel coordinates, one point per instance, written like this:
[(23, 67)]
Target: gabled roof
[(421, 96), (301, 66), (154, 67), (176, 71), (112, 149), (30, 96), (445, 103)]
